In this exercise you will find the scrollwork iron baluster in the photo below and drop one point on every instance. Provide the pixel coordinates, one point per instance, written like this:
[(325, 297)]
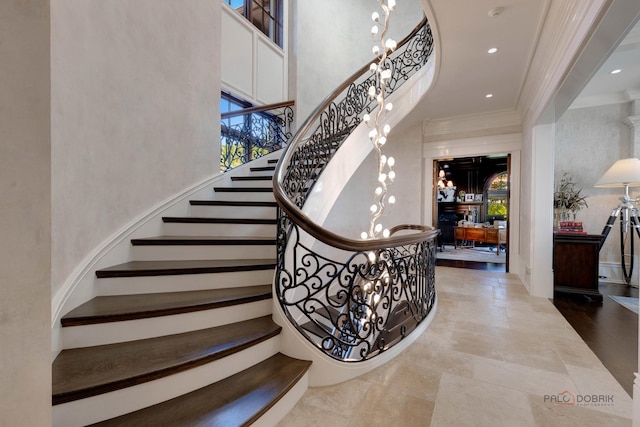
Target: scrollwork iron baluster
[(353, 308), (258, 134)]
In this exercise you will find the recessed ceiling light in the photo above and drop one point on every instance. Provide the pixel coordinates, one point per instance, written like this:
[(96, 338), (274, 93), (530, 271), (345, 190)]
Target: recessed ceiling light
[(493, 50), (616, 71), (489, 95)]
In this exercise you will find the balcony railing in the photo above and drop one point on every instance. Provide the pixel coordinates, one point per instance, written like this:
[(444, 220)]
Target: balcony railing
[(352, 299), (251, 133)]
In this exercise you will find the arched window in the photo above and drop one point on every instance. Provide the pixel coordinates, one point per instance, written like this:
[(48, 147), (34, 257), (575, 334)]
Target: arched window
[(497, 195)]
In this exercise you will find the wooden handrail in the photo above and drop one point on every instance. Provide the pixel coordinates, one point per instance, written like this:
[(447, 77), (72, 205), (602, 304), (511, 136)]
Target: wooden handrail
[(257, 109), (402, 227), (302, 220)]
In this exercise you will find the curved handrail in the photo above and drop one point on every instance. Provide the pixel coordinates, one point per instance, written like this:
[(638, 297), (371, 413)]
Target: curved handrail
[(295, 212), (257, 109), (401, 227), (351, 299)]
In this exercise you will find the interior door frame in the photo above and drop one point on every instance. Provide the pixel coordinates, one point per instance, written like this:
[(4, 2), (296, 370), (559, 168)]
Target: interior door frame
[(437, 162), (509, 144)]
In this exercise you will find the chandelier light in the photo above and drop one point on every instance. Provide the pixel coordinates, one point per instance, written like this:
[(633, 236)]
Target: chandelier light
[(380, 131), (442, 180)]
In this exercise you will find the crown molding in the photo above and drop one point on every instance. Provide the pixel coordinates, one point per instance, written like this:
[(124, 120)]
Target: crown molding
[(632, 38), (472, 125), (632, 94), (599, 100), (633, 122), (568, 25)]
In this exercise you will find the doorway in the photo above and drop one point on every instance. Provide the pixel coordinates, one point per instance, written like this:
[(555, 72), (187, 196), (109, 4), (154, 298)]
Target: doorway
[(471, 210)]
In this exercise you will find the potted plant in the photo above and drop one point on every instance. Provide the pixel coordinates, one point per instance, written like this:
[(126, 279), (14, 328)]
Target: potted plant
[(567, 197)]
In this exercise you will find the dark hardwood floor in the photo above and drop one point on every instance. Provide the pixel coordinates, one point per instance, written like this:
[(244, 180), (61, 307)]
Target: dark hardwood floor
[(609, 329)]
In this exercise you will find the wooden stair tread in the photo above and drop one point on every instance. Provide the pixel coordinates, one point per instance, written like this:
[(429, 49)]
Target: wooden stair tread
[(315, 329), (103, 309), (165, 268), (328, 312), (252, 178), (203, 240), (262, 168), (243, 189), (319, 329), (238, 400), (233, 203), (207, 220), (89, 371)]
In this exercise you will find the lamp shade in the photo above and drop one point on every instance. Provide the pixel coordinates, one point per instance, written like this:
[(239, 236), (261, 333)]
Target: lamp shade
[(623, 172)]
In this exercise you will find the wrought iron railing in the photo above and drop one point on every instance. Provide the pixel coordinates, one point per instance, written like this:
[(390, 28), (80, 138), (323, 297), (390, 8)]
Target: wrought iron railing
[(358, 306), (351, 298), (251, 133)]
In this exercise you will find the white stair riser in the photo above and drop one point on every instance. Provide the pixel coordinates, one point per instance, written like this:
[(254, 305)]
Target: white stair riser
[(109, 405), (129, 330), (258, 212), (277, 412), (219, 230), (260, 183), (245, 197), (189, 252), (182, 282)]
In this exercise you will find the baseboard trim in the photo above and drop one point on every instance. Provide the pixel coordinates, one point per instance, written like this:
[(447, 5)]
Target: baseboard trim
[(610, 272), (636, 401)]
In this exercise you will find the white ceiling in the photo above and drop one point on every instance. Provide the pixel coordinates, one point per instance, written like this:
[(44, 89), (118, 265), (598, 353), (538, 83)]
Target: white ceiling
[(607, 88), (464, 31)]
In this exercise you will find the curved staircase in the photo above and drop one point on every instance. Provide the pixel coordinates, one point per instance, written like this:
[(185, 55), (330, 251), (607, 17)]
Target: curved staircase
[(182, 334)]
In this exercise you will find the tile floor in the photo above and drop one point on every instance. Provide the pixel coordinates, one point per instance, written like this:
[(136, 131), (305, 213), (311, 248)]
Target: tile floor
[(489, 358)]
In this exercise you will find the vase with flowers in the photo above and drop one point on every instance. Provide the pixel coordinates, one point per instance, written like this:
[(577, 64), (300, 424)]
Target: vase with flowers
[(567, 199)]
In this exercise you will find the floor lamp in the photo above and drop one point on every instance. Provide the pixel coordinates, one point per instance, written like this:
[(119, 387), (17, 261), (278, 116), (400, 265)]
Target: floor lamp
[(624, 173)]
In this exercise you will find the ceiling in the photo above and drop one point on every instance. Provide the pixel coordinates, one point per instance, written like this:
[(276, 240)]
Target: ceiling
[(467, 73), (607, 88)]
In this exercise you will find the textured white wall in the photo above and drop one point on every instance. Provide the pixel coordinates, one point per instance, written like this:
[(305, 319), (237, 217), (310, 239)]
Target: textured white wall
[(135, 96), (25, 153), (350, 215), (333, 41), (322, 66), (588, 142)]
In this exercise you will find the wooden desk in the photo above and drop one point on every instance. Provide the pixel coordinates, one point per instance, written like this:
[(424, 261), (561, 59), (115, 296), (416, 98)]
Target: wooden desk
[(575, 264), (494, 236)]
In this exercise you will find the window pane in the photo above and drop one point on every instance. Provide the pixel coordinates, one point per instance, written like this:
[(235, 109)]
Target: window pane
[(266, 15), (224, 106), (497, 195), (497, 206), (499, 182), (236, 4), (260, 15)]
